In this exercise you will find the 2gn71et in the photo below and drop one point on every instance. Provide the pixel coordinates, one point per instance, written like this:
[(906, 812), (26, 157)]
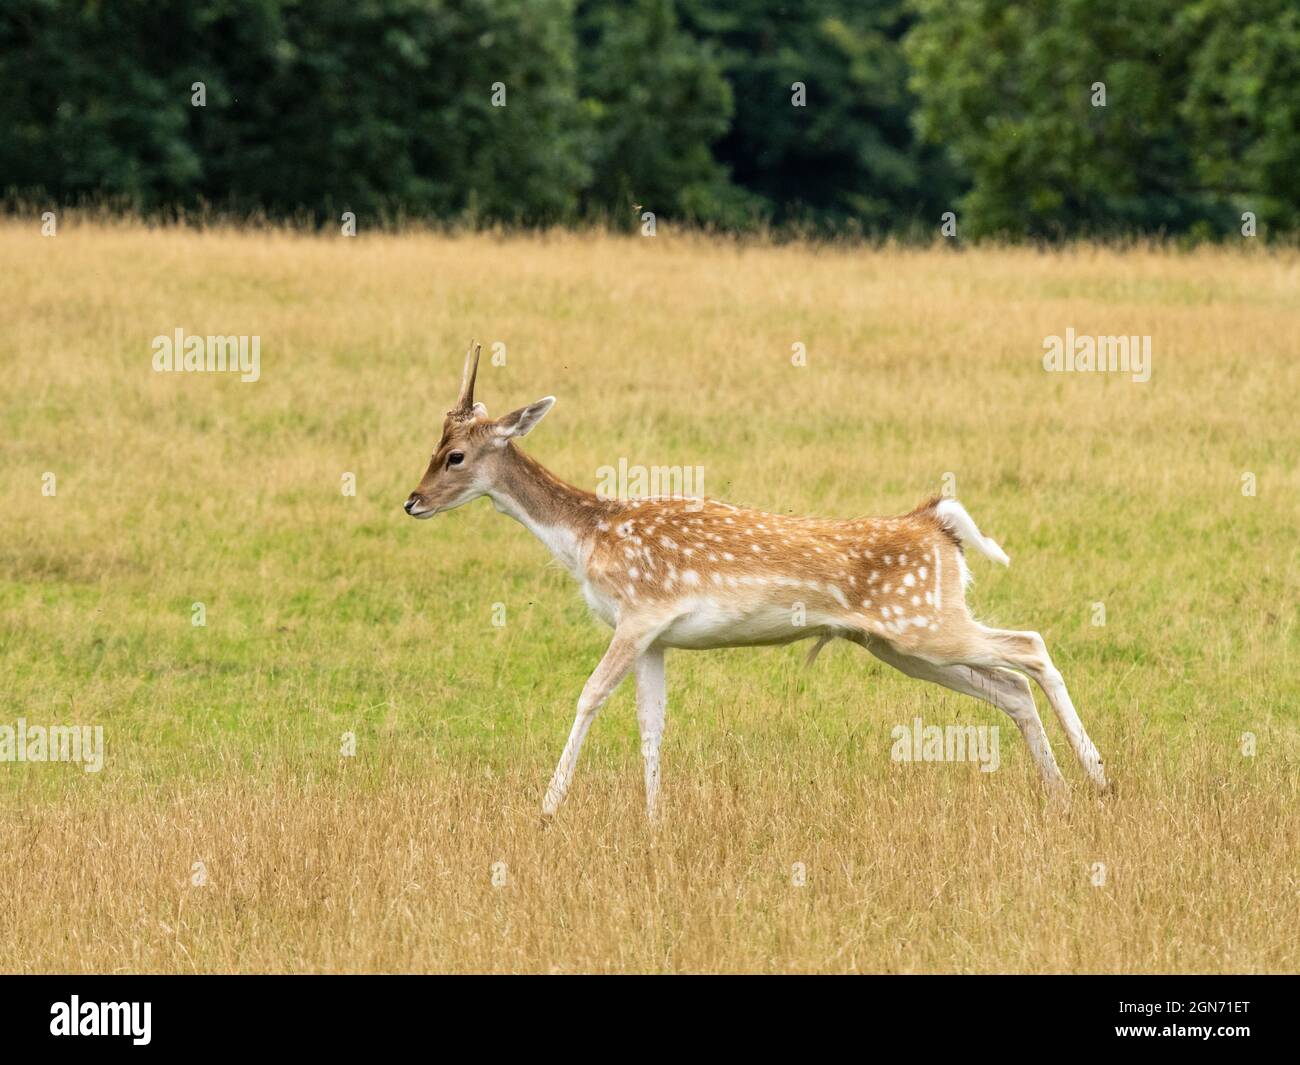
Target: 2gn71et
[(1209, 1007), (1150, 1008)]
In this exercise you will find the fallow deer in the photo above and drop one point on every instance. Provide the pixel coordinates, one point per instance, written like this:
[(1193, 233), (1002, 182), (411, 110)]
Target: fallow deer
[(699, 574)]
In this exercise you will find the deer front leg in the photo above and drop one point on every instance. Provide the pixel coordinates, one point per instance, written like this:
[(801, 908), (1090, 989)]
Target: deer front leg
[(616, 665), (651, 699)]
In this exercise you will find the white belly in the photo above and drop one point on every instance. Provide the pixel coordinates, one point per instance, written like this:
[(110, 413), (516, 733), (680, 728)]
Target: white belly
[(710, 623), (706, 623)]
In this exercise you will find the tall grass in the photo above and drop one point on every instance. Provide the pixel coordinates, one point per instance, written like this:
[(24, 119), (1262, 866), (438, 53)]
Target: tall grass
[(329, 614)]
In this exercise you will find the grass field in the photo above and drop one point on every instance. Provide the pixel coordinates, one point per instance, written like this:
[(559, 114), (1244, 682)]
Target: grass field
[(328, 613)]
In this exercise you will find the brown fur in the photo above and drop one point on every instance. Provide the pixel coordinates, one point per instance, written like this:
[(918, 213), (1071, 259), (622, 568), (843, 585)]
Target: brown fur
[(701, 573)]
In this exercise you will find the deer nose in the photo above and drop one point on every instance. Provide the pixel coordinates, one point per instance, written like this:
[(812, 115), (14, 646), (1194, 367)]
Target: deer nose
[(409, 504)]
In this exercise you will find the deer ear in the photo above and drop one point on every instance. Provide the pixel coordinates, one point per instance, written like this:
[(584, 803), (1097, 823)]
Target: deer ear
[(520, 422)]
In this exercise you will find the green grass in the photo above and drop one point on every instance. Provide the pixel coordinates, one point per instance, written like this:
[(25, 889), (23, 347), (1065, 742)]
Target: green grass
[(327, 614)]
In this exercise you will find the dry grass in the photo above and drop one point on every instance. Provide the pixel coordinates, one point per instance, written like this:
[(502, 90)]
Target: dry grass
[(351, 869), (329, 614)]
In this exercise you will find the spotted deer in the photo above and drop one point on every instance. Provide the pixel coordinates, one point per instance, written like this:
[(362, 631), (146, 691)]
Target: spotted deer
[(701, 574)]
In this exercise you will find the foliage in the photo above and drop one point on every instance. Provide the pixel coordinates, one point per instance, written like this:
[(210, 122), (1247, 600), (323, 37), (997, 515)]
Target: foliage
[(829, 115)]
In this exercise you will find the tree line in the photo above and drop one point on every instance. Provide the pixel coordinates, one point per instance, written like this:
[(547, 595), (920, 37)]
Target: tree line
[(1014, 118)]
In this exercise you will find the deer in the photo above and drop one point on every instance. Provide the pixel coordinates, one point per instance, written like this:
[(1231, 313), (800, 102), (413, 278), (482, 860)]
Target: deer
[(698, 574)]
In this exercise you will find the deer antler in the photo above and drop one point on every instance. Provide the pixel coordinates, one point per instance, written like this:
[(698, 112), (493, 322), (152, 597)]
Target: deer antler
[(465, 405)]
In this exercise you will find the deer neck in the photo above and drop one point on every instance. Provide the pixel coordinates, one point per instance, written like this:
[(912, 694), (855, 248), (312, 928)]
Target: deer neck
[(558, 514)]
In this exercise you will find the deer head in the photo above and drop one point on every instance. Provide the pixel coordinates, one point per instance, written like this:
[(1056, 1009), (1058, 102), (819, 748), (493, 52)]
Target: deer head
[(469, 460)]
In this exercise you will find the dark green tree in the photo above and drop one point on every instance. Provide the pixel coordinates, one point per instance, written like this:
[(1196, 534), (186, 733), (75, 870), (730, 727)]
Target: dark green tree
[(1009, 89), (378, 105), (656, 101), (850, 155), (1243, 105), (690, 108)]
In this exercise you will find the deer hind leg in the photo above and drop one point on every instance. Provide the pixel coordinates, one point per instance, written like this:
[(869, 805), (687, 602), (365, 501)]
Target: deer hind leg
[(614, 666), (651, 700), (1026, 652), (1007, 691)]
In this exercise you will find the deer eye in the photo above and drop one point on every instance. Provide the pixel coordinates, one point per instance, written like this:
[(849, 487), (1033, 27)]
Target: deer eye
[(455, 458)]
